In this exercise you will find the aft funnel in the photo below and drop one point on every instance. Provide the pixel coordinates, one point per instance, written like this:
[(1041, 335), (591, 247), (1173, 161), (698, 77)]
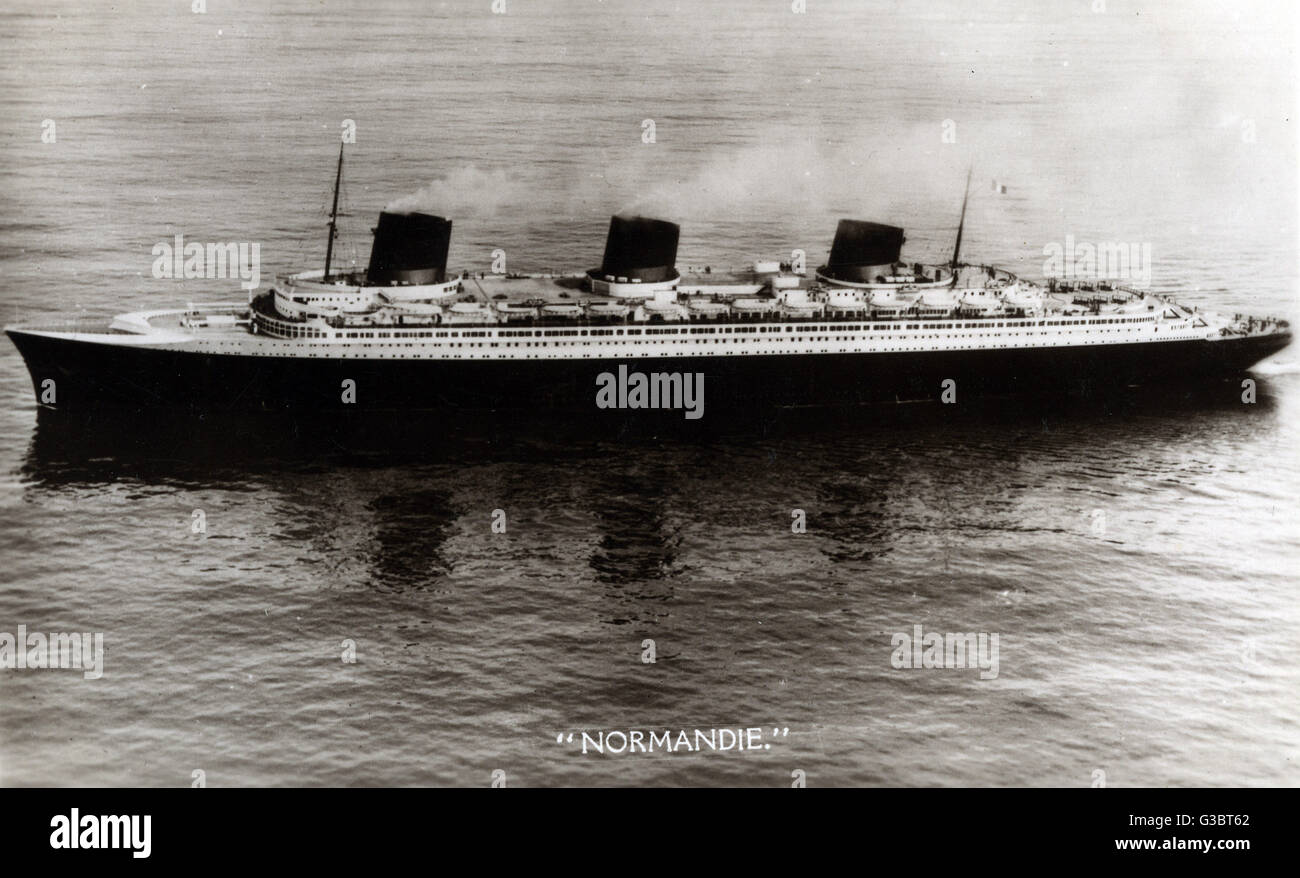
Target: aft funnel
[(863, 250), (409, 248)]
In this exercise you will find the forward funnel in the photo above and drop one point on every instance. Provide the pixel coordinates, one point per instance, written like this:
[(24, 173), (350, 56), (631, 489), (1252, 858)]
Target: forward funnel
[(409, 248)]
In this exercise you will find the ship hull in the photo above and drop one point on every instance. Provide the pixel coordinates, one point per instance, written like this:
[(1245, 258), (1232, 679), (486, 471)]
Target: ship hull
[(88, 374)]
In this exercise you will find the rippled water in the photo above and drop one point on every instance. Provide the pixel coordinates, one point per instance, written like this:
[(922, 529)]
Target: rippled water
[(1136, 558)]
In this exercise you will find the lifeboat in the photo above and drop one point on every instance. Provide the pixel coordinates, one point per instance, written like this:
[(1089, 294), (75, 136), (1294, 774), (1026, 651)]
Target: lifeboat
[(1023, 300), (934, 304), (979, 303), (888, 304), (796, 307), (515, 311), (707, 308), (607, 310), (657, 309), (845, 300), (754, 306), (469, 312), (561, 310)]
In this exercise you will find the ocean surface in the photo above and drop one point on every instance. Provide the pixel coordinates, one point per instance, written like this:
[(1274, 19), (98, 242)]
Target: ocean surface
[(1136, 557)]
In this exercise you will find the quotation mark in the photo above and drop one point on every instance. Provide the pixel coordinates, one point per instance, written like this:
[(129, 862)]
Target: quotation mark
[(777, 733)]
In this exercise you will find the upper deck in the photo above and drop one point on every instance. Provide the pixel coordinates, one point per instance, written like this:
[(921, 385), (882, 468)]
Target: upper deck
[(1074, 318), (295, 307), (708, 314)]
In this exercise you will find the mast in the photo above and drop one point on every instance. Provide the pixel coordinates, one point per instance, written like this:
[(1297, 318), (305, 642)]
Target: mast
[(956, 249), (334, 213)]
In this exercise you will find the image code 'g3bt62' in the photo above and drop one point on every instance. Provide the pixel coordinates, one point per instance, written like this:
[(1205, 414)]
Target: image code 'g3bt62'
[(867, 327)]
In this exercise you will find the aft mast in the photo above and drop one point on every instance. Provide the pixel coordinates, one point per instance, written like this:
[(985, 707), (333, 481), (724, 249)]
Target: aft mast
[(334, 214), (956, 250)]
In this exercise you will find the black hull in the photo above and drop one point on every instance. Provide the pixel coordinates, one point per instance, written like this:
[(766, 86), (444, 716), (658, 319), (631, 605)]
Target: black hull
[(91, 375)]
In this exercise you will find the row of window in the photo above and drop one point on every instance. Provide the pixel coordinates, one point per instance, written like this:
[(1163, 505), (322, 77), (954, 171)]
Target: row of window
[(295, 331), (797, 338)]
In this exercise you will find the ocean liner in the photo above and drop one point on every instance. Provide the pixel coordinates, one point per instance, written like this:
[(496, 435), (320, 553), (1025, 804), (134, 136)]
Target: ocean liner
[(866, 327)]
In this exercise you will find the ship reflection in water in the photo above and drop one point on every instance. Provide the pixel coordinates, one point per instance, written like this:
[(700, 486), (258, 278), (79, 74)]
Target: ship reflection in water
[(636, 558), (1092, 539), (403, 503)]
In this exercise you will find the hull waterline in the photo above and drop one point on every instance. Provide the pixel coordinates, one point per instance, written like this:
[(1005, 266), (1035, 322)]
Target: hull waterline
[(89, 374)]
